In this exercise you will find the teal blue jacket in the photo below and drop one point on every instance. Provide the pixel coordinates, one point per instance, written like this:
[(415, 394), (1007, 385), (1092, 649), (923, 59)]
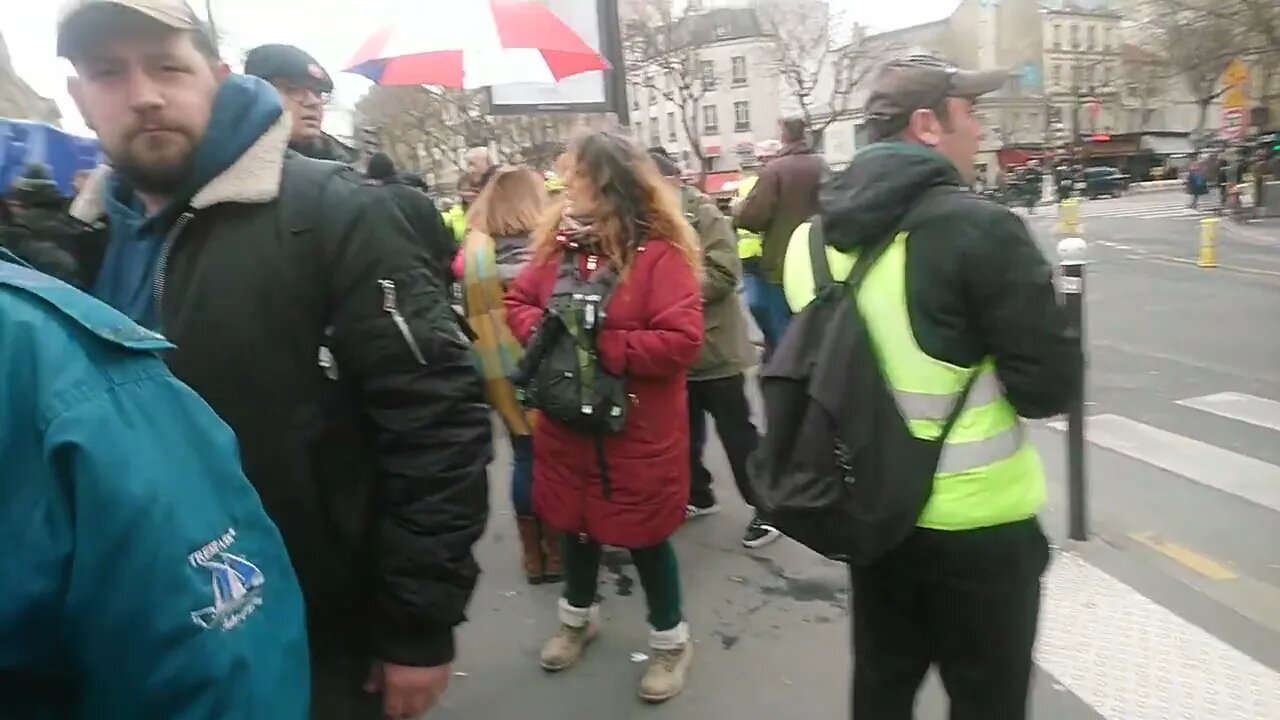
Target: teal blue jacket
[(140, 577)]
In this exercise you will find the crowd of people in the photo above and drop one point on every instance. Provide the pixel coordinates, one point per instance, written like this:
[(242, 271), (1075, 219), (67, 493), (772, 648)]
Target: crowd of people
[(239, 380)]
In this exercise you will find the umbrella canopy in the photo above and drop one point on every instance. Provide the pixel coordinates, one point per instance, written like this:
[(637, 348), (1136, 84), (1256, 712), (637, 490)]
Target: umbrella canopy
[(473, 44)]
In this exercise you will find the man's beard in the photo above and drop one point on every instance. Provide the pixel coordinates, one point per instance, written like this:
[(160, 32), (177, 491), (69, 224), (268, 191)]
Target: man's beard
[(153, 178)]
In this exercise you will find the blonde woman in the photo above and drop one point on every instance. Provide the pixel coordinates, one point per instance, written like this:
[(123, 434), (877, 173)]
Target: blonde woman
[(494, 251), (628, 488)]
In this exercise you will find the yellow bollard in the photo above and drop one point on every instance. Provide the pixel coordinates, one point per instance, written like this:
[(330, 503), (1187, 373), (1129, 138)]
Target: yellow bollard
[(1208, 243), (1069, 217)]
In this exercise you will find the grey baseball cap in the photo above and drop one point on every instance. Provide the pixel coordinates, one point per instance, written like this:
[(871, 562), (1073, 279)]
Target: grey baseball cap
[(78, 19), (902, 86)]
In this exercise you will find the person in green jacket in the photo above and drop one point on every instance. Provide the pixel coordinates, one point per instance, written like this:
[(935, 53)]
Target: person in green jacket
[(717, 384)]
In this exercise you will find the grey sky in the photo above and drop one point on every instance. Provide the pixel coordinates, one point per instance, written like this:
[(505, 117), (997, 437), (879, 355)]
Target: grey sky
[(329, 29)]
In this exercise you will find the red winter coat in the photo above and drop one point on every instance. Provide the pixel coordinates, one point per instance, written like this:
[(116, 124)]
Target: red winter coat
[(651, 335)]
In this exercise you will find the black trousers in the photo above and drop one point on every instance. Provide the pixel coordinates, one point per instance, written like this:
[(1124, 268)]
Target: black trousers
[(725, 399), (966, 601)]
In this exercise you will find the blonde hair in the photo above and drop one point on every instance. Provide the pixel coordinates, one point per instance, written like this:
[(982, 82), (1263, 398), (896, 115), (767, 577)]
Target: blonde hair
[(510, 205), (610, 181)]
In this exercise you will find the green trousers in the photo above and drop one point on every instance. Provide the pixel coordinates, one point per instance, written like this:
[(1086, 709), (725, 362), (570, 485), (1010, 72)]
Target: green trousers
[(656, 566)]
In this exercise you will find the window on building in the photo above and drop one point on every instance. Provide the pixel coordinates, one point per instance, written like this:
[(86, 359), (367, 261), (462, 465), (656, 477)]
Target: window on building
[(710, 120), (1106, 74), (671, 127), (741, 116), (654, 137), (1090, 37), (708, 74), (1106, 38), (635, 98), (739, 69), (1056, 75), (1075, 37), (1057, 37), (653, 89)]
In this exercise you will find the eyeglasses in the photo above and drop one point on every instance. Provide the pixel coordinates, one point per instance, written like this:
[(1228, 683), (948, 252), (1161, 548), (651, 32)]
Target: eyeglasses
[(303, 93)]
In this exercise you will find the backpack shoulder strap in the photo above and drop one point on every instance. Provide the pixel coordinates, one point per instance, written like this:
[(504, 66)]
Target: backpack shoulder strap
[(818, 256), (303, 209)]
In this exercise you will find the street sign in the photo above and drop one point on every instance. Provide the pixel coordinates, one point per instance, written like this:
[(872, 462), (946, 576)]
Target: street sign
[(1235, 74), (1233, 97), (1232, 124)]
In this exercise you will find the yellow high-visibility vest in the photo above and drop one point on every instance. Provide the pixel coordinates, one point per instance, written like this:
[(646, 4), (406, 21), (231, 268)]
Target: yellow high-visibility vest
[(989, 472), (750, 245)]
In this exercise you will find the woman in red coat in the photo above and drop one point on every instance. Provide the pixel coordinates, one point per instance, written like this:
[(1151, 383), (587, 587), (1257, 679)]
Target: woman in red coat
[(617, 209)]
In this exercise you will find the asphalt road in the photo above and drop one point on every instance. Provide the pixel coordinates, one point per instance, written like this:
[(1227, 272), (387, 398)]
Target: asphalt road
[(1171, 610)]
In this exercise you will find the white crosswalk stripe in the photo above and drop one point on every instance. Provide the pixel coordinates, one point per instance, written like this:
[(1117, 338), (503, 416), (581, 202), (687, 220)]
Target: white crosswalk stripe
[(1124, 209), (1124, 654)]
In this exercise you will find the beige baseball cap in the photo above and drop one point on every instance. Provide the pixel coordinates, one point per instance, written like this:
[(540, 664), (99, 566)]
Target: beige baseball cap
[(79, 18)]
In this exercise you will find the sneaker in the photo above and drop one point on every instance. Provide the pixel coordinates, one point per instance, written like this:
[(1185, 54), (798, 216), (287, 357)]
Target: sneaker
[(692, 511), (565, 648), (759, 534), (665, 677)]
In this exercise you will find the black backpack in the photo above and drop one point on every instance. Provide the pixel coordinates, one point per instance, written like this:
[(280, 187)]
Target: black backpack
[(839, 471), (560, 373)]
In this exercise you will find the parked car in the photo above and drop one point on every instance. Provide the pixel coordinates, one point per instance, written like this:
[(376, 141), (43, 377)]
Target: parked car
[(1099, 181)]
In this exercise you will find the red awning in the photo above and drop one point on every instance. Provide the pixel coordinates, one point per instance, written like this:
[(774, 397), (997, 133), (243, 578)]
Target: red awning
[(715, 182), (1017, 156)]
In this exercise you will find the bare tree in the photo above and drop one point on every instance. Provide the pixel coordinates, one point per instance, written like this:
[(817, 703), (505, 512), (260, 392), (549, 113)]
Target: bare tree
[(821, 58), (663, 54), (1144, 79), (426, 129), (1197, 39)]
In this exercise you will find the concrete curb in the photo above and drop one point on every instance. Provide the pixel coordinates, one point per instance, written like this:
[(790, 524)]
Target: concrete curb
[(1155, 186)]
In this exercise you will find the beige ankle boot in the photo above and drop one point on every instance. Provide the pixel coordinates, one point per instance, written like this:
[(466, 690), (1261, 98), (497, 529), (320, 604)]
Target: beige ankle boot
[(578, 627), (672, 651)]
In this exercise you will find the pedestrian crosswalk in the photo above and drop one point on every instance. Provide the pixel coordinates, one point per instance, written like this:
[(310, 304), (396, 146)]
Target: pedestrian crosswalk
[(1124, 654), (1154, 209)]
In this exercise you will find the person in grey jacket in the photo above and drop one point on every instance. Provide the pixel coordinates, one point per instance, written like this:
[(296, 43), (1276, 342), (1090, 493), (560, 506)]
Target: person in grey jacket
[(717, 382)]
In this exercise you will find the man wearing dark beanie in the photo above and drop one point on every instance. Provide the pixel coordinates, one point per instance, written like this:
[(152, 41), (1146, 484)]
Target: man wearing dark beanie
[(305, 87), (717, 383)]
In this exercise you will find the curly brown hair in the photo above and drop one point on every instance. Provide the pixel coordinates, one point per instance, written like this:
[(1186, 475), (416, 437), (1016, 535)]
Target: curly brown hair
[(612, 182)]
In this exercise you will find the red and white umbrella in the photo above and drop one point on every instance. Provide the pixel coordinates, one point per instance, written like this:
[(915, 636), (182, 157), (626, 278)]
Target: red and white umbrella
[(473, 44)]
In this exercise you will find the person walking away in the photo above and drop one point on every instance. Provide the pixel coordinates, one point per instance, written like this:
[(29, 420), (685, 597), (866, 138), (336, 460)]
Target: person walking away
[(182, 604), (305, 88), (717, 384), (419, 211), (617, 271), (960, 306), (495, 251), (1197, 183), (751, 248), (305, 313), (785, 195)]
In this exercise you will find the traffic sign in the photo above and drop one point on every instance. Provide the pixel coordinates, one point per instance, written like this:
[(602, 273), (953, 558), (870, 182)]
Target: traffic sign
[(1235, 74), (1232, 124), (1233, 97)]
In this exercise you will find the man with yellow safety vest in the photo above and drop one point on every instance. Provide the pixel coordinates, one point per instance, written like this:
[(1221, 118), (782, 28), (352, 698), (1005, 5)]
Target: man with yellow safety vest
[(781, 197), (960, 300), (751, 245)]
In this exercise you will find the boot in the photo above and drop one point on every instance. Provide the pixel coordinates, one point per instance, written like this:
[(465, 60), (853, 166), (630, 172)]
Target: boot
[(672, 651), (530, 549), (578, 627), (552, 571)]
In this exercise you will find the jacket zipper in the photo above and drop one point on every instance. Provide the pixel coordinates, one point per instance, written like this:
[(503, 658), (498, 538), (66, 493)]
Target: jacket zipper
[(162, 264), (392, 308)]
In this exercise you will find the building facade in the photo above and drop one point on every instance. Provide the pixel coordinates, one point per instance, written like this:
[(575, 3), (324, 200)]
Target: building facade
[(734, 102)]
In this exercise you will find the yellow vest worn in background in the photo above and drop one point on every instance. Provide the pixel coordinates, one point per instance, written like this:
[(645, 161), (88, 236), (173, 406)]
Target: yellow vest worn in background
[(989, 472), (750, 244)]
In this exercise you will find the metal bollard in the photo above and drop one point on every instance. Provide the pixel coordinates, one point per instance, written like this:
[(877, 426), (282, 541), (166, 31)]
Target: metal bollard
[(1208, 243), (1071, 259)]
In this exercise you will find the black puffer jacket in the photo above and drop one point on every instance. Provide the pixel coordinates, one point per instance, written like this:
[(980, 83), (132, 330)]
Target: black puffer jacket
[(977, 284), (331, 350)]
